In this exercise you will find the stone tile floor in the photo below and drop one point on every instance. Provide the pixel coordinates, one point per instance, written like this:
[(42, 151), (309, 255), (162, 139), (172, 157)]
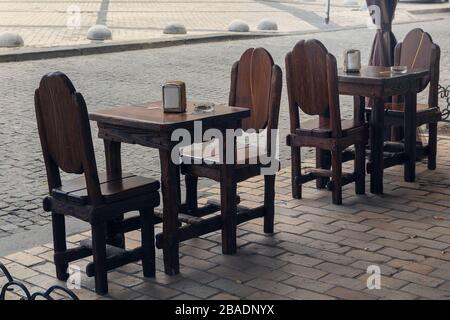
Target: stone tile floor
[(318, 250)]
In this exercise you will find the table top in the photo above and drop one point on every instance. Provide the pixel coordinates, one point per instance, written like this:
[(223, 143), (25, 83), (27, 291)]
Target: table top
[(379, 75), (150, 116)]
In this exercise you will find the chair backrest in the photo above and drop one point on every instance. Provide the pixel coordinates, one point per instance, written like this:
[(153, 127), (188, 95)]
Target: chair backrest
[(417, 51), (65, 134), (256, 83), (312, 82)]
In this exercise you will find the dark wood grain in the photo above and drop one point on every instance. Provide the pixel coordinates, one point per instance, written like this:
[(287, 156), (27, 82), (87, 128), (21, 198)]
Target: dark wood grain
[(417, 51), (66, 142), (312, 81), (150, 116), (255, 84)]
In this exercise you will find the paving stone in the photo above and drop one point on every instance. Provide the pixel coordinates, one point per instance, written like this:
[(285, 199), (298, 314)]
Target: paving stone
[(426, 292), (196, 263), (338, 269), (25, 259), (271, 286), (411, 266), (193, 288), (389, 294), (311, 273), (234, 288), (358, 244), (400, 254), (429, 243), (308, 284), (301, 294), (344, 293), (299, 259), (224, 296), (333, 257), (329, 246), (367, 256), (156, 291), (356, 235), (231, 274), (266, 273), (18, 271), (418, 278)]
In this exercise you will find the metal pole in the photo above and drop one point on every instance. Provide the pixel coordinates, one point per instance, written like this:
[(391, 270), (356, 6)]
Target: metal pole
[(327, 12)]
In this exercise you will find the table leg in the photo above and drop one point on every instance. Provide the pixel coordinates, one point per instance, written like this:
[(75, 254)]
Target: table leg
[(359, 109), (114, 171), (113, 159), (410, 136), (376, 146), (228, 192), (170, 185)]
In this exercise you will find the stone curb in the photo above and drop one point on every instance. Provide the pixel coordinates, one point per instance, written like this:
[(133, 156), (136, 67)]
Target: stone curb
[(27, 54), (430, 11), (97, 48)]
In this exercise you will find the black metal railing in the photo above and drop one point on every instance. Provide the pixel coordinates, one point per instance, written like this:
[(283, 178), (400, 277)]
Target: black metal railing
[(12, 284), (444, 93)]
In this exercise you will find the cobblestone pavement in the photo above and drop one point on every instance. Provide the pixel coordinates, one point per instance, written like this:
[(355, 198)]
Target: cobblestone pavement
[(44, 23), (134, 77), (318, 250)]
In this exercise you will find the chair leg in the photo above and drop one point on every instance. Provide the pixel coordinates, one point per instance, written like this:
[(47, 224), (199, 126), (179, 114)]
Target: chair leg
[(296, 172), (269, 203), (99, 254), (148, 242), (360, 168), (228, 205), (322, 162), (59, 244), (191, 192), (432, 145), (336, 161)]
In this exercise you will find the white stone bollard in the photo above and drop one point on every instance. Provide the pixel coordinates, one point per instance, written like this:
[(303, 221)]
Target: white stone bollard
[(175, 28), (266, 24), (10, 39), (238, 26), (99, 32)]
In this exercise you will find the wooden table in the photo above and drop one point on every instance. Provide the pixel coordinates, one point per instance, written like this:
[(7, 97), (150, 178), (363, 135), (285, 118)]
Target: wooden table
[(149, 126), (379, 83)]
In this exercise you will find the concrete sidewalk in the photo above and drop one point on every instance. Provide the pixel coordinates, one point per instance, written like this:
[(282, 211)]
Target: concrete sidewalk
[(44, 24)]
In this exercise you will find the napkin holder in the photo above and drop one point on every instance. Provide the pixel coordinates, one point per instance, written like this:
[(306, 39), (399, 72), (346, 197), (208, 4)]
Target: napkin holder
[(352, 61), (174, 97)]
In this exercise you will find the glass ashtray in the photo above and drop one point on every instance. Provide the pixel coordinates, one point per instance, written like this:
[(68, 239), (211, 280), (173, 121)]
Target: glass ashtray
[(399, 69), (203, 107)]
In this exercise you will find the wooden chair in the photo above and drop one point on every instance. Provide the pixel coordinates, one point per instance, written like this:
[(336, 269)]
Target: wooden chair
[(66, 142), (256, 83), (418, 52), (312, 83)]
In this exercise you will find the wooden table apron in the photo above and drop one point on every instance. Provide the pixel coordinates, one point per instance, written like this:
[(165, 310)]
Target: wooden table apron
[(379, 89), (113, 135)]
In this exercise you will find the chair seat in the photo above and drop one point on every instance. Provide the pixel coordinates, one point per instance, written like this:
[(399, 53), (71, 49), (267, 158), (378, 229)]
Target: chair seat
[(209, 152), (112, 190), (311, 128)]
